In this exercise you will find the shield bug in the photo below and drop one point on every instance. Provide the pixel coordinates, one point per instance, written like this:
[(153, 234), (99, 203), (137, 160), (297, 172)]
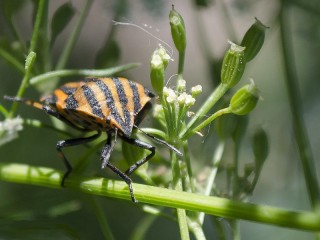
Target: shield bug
[(112, 105)]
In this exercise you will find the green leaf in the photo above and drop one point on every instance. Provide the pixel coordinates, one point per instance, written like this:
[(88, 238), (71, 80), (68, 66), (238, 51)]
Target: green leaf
[(60, 20), (109, 55)]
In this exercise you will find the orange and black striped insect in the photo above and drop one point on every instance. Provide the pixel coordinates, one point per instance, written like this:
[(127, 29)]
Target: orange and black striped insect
[(111, 105)]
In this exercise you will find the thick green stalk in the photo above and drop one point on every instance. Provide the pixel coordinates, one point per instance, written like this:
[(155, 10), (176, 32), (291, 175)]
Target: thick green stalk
[(48, 177), (295, 101)]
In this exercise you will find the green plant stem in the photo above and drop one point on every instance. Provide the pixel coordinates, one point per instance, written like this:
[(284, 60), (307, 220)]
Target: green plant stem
[(101, 217), (35, 34), (187, 159), (23, 86), (82, 72), (74, 36), (3, 111), (206, 122), (32, 54), (196, 229), (181, 64), (206, 107), (51, 178), (143, 227), (235, 179), (177, 185), (295, 101), (235, 229), (216, 159)]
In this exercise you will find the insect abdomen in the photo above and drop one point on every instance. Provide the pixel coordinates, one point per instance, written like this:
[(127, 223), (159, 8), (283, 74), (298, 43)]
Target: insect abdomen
[(103, 103)]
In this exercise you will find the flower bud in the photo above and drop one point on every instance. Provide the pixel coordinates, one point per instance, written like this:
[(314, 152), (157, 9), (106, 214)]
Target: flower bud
[(233, 65), (157, 73), (181, 85), (253, 40), (161, 51), (178, 31), (196, 90), (244, 100)]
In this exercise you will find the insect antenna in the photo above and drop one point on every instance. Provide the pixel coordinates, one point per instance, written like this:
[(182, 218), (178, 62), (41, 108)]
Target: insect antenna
[(25, 101), (159, 141)]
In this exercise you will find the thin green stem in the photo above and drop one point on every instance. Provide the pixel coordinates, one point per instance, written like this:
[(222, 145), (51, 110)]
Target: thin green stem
[(295, 101), (187, 160), (51, 178), (142, 227), (101, 217), (31, 56), (74, 36), (23, 86), (236, 229), (82, 72), (196, 229), (206, 107), (216, 159), (177, 185), (206, 122), (3, 111), (235, 179), (35, 34), (181, 64)]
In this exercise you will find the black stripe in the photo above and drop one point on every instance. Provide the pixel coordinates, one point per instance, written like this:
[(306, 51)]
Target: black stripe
[(136, 97), (123, 99), (68, 90), (92, 100), (71, 103), (125, 127), (149, 93)]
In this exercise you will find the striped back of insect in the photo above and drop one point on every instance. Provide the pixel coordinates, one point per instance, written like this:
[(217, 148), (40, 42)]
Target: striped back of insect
[(101, 103)]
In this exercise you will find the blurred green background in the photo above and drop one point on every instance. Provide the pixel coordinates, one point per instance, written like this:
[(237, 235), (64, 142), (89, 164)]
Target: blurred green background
[(28, 212)]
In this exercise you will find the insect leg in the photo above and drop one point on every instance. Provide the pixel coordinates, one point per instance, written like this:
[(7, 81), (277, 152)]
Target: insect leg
[(105, 156), (140, 144), (107, 149), (125, 178), (68, 143)]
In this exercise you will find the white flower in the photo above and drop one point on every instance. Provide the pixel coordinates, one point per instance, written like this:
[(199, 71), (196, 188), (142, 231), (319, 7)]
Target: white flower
[(156, 61), (181, 86), (9, 129), (170, 94), (196, 90), (189, 100)]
